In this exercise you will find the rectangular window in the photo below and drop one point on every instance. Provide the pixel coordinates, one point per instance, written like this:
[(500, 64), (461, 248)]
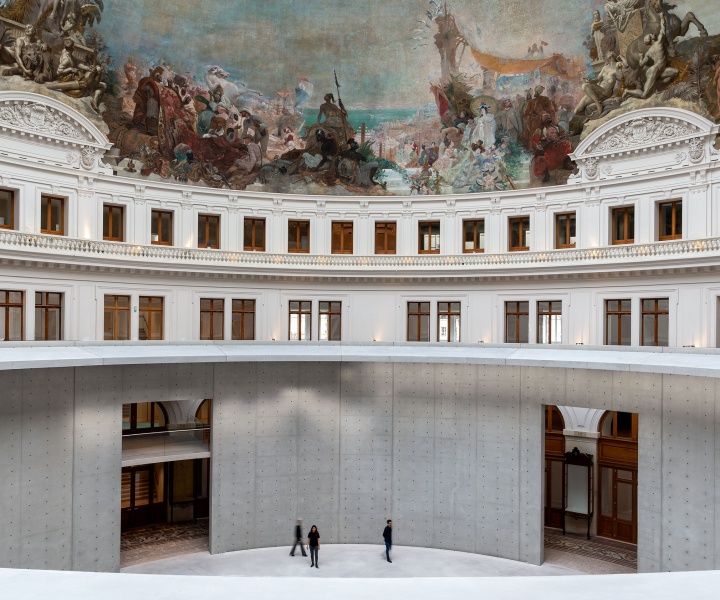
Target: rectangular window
[(299, 236), (254, 235), (474, 235), (48, 316), (617, 322), (113, 217), (448, 322), (212, 316), (7, 209), (565, 230), (385, 238), (418, 322), (670, 220), (655, 321), (117, 318), (519, 233), (161, 227), (549, 322), (151, 318), (330, 321), (11, 316), (517, 322), (429, 237), (52, 215), (623, 225), (243, 319), (209, 231), (300, 320), (341, 241)]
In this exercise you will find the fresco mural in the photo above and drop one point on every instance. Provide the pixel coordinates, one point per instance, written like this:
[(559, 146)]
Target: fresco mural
[(345, 98)]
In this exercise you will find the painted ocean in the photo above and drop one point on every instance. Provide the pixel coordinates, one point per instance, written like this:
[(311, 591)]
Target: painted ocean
[(373, 118)]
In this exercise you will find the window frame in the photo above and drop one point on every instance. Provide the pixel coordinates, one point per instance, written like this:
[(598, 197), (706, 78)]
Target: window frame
[(148, 321), (302, 311), (474, 223), (116, 310), (156, 216), (12, 199), (549, 313), (242, 311), (208, 218), (449, 313), (45, 308), (111, 207), (253, 222), (523, 236), (7, 305), (656, 320), (298, 235), (676, 234), (571, 217), (212, 311), (47, 217), (517, 314), (626, 209), (385, 236), (430, 225), (133, 419), (418, 315), (339, 229), (619, 313), (331, 314)]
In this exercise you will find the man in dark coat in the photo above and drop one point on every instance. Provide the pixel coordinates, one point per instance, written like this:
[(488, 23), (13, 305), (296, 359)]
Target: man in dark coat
[(387, 535), (298, 538)]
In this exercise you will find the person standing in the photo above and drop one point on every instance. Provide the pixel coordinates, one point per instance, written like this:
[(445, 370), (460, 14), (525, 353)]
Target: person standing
[(314, 546), (298, 539), (387, 535)]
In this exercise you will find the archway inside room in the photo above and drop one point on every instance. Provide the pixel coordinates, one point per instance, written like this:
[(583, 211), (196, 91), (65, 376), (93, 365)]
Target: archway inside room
[(165, 480), (590, 489)]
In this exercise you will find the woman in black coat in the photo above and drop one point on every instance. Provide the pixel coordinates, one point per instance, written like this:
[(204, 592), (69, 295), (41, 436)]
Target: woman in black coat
[(314, 546)]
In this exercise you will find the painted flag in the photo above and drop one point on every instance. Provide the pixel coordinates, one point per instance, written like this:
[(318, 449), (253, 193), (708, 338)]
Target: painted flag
[(303, 91)]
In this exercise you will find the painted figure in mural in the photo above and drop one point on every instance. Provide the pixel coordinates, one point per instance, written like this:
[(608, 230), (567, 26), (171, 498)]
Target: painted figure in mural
[(534, 110), (600, 89), (334, 114), (654, 63), (486, 127), (551, 148), (620, 12), (596, 30), (77, 79), (261, 131), (29, 57), (251, 161), (147, 101), (509, 120)]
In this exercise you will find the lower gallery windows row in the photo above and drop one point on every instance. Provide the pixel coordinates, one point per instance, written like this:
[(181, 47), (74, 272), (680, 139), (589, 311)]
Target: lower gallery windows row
[(48, 306)]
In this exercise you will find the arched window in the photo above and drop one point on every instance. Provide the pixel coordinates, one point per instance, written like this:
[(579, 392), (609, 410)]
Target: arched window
[(554, 420), (143, 417), (554, 472), (202, 414), (619, 425)]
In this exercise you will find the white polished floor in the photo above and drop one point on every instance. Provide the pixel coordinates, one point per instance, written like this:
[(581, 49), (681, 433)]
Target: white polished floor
[(345, 560)]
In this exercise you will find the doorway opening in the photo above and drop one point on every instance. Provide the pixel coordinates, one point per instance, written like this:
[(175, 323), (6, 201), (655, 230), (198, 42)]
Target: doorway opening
[(590, 512)]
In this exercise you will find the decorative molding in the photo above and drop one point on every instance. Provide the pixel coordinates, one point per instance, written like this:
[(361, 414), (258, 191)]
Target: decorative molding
[(591, 168), (696, 149), (642, 132), (43, 120)]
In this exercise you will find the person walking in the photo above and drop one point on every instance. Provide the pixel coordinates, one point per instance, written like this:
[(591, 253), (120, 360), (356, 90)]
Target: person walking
[(298, 539), (314, 546), (387, 534)]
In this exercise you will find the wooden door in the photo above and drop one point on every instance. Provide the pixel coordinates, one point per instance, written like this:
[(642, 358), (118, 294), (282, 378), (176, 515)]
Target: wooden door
[(618, 504), (141, 497)]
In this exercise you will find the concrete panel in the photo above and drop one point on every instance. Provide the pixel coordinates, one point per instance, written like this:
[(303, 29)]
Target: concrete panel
[(11, 473), (47, 459), (97, 455), (688, 432)]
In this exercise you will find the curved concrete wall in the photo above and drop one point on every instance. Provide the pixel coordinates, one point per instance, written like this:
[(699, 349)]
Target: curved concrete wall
[(452, 452)]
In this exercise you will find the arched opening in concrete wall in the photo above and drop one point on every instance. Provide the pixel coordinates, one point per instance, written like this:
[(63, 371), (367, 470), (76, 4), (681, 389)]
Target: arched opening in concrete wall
[(590, 512)]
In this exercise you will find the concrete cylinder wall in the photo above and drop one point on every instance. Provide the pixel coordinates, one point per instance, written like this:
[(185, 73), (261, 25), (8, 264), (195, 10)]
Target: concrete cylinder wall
[(452, 452)]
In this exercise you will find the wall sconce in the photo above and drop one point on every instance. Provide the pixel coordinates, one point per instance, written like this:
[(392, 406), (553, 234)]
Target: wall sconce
[(578, 343)]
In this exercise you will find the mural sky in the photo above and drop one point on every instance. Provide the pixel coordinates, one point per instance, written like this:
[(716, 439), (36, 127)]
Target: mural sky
[(438, 96)]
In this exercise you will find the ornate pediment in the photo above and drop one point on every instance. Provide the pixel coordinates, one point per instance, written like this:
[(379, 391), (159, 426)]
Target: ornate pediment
[(43, 120), (642, 132)]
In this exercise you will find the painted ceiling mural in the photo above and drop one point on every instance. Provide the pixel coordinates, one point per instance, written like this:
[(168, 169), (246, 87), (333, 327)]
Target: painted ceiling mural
[(386, 97)]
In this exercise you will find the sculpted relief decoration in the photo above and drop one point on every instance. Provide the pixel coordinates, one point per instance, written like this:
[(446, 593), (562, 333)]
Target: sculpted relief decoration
[(41, 119), (643, 132)]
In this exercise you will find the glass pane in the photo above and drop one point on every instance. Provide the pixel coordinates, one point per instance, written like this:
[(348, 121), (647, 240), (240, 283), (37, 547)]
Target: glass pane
[(648, 305), (6, 207), (324, 327), (142, 488), (125, 490), (56, 216), (678, 218), (425, 307), (626, 329), (624, 425), (144, 301), (648, 330), (259, 234), (166, 227), (666, 211), (156, 325), (292, 235), (631, 224), (305, 327), (158, 415), (455, 328), (214, 236), (249, 321), (663, 326), (443, 329), (123, 301), (108, 324), (202, 238), (123, 325), (335, 334), (524, 329), (425, 328), (305, 237), (143, 410), (126, 416), (294, 326), (106, 220), (117, 223), (159, 485), (217, 326), (204, 325), (612, 330), (53, 324), (556, 329), (412, 328), (663, 304), (606, 503), (624, 501), (619, 225)]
